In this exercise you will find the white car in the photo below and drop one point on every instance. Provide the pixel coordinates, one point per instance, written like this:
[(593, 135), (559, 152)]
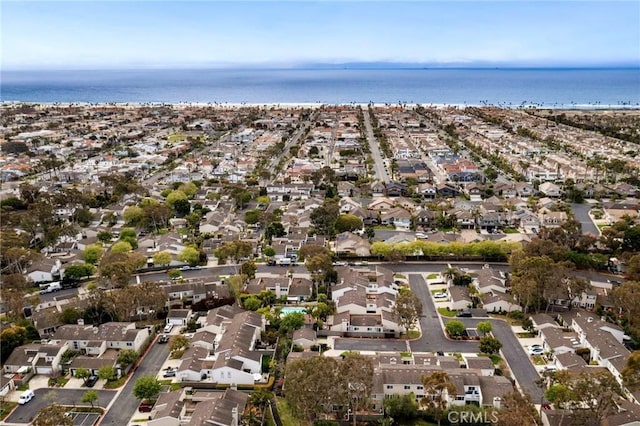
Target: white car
[(26, 396), (440, 295), (167, 328), (535, 350)]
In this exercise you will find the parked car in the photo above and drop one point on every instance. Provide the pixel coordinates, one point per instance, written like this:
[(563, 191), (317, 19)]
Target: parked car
[(167, 328), (26, 396), (440, 295), (145, 407), (91, 381), (163, 339), (535, 351), (464, 314), (169, 373)]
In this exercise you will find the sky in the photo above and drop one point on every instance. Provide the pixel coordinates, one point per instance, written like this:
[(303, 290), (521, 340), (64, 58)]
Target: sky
[(177, 34)]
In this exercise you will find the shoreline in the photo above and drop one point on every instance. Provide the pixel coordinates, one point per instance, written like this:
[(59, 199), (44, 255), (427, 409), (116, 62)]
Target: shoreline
[(300, 105)]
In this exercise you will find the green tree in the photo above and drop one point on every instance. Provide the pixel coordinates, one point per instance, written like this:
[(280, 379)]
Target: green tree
[(127, 357), (178, 342), (455, 328), (517, 409), (249, 269), (121, 247), (162, 258), (189, 255), (90, 396), (11, 338), (310, 385), (252, 303), (70, 315), (484, 327), (175, 196), (348, 223), (252, 217), (83, 373), (182, 207), (146, 387), (631, 372), (133, 216), (107, 372), (490, 345), (269, 251), (401, 407), (79, 271), (407, 309), (104, 237), (92, 253), (292, 321)]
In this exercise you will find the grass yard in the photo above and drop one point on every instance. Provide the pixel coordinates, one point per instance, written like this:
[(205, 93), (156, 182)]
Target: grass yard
[(5, 408), (286, 416), (526, 335), (115, 384), (539, 360), (446, 312), (432, 276), (413, 334)]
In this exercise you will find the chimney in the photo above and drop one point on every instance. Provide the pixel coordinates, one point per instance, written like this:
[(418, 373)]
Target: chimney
[(234, 416)]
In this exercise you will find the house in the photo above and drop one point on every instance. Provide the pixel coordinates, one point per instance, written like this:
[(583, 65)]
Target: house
[(305, 338), (481, 363), (489, 280), (499, 302), (396, 189), (179, 317), (223, 411), (93, 340), (398, 217), (349, 244), (447, 190), (550, 189), (459, 298), (169, 409), (204, 339), (557, 341), (7, 384), (46, 320), (551, 219), (46, 270), (377, 189), (41, 358)]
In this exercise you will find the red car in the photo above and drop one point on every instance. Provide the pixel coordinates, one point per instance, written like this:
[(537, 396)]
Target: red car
[(145, 407)]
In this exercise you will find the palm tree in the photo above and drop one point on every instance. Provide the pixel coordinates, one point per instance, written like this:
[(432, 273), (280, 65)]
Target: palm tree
[(450, 273)]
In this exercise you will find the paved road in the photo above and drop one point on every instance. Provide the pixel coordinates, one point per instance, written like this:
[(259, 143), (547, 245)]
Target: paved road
[(125, 406), (44, 397), (432, 338), (374, 147), (374, 345), (519, 362), (581, 214)]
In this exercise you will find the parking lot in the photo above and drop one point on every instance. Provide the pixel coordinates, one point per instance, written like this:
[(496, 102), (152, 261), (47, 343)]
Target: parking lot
[(84, 419)]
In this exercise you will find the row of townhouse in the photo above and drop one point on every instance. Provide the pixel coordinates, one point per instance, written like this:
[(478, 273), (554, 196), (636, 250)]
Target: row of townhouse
[(96, 346), (364, 302), (224, 350), (579, 329)]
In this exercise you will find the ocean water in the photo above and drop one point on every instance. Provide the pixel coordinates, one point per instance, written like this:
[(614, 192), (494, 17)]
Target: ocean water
[(504, 87)]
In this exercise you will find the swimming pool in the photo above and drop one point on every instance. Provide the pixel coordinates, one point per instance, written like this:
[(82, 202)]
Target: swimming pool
[(287, 310)]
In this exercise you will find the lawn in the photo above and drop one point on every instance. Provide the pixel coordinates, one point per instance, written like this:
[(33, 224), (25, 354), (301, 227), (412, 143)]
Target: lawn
[(5, 408), (58, 382), (539, 360), (446, 312), (413, 334), (115, 384), (286, 416), (432, 276), (495, 359), (526, 335)]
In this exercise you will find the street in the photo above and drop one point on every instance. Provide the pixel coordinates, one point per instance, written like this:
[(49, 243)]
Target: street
[(374, 147), (581, 214), (125, 406)]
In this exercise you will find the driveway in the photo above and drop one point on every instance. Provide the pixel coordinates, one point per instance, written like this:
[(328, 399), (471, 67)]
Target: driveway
[(519, 362), (374, 345), (432, 339), (44, 397), (126, 405)]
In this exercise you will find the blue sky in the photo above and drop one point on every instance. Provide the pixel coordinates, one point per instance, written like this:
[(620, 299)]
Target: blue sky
[(118, 34)]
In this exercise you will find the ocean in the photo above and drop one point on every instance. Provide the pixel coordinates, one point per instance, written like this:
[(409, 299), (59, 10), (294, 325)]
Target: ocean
[(551, 88)]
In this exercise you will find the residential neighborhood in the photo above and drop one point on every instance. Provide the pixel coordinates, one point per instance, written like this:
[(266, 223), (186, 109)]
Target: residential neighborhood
[(193, 264)]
